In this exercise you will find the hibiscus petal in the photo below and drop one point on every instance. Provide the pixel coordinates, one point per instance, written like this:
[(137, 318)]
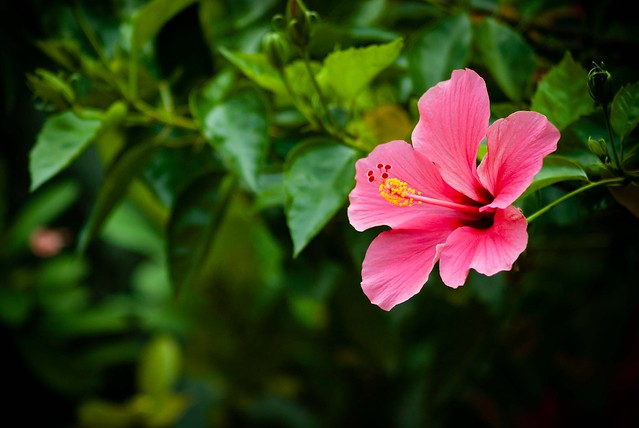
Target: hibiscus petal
[(516, 146), (488, 251), (453, 120), (399, 261), (368, 208)]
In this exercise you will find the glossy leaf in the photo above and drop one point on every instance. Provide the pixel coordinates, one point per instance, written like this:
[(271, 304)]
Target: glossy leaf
[(257, 68), (172, 169), (115, 185), (153, 16), (198, 212), (62, 139), (127, 228), (238, 130), (624, 110), (318, 175), (351, 70), (554, 170), (212, 93), (439, 50), (562, 94), (507, 56)]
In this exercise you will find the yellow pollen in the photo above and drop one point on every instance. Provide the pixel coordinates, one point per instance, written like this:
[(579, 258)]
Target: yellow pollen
[(397, 192)]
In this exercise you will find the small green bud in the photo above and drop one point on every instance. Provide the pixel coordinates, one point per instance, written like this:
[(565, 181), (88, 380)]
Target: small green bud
[(599, 148), (600, 84), (300, 23), (278, 22), (276, 48), (295, 9)]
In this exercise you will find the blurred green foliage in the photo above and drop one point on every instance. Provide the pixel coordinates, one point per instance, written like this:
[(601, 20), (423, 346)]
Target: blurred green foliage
[(174, 247)]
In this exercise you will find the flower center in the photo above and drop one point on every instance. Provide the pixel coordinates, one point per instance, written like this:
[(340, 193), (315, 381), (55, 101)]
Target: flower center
[(401, 194)]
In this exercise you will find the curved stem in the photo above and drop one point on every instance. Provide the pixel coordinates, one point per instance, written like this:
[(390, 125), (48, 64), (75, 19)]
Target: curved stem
[(607, 182)]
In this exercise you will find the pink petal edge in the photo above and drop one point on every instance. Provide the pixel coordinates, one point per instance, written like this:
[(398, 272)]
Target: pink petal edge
[(488, 251), (454, 117), (399, 262), (516, 146)]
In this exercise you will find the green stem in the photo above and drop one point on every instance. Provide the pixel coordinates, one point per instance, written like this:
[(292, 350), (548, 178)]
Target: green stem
[(89, 34), (611, 137), (313, 118), (296, 102), (129, 94), (607, 182), (320, 94)]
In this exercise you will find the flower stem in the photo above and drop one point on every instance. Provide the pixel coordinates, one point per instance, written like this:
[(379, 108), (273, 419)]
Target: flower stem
[(314, 117), (320, 94), (606, 113), (287, 84), (607, 182), (152, 114)]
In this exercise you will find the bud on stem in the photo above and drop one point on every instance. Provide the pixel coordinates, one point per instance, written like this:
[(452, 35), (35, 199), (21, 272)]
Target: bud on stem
[(600, 84), (300, 23), (276, 48)]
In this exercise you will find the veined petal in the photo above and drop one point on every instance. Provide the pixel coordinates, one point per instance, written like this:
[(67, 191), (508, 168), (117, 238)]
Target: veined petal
[(399, 261), (516, 147), (488, 251), (453, 120), (368, 208)]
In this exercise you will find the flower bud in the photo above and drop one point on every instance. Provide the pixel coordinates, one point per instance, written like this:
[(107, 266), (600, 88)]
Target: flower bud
[(278, 22), (600, 84), (300, 23), (295, 9), (276, 49), (599, 148)]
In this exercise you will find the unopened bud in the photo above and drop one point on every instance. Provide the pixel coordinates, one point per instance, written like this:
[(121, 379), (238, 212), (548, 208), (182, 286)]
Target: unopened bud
[(278, 22), (300, 23), (295, 9), (600, 84), (599, 148), (276, 49)]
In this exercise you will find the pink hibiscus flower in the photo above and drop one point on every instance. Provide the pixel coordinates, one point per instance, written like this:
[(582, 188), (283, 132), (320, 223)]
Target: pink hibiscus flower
[(440, 205)]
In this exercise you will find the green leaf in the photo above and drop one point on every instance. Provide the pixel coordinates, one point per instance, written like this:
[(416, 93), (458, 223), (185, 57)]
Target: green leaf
[(198, 213), (62, 139), (116, 183), (51, 88), (238, 130), (152, 17), (439, 50), (257, 68), (212, 93), (562, 94), (508, 57), (68, 53), (318, 175), (624, 110), (174, 167), (127, 228), (554, 170), (351, 70)]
